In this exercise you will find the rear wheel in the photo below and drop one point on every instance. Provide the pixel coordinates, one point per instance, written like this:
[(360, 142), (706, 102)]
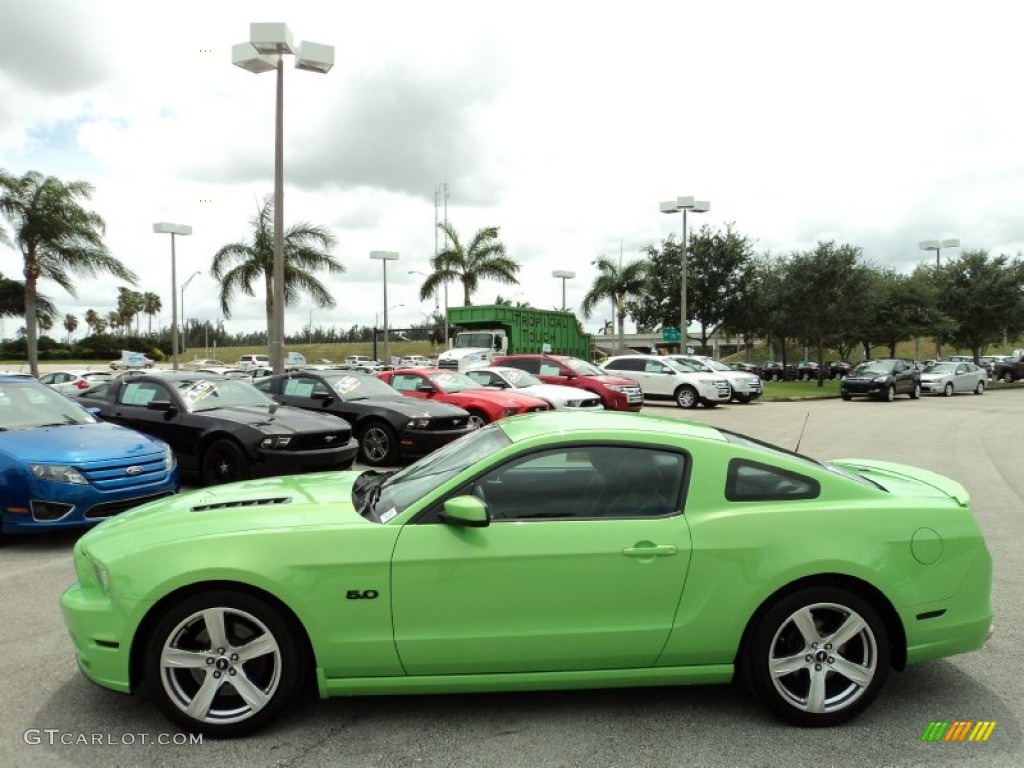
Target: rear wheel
[(818, 657), (1008, 377), (915, 393), (686, 397), (224, 462), (775, 376)]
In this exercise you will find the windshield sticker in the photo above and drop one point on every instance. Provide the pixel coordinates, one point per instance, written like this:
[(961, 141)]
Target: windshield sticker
[(346, 385), (199, 390), (390, 514)]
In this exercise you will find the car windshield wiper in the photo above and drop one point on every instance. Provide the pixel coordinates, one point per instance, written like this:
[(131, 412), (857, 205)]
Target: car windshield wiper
[(369, 483)]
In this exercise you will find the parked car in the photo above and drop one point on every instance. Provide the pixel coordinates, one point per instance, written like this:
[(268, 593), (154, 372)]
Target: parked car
[(661, 378), (882, 379), (387, 425), (617, 393), (483, 404), (121, 365), (414, 361), (949, 378), (753, 368), (549, 551), (838, 369), (204, 362), (746, 386), (225, 429), (245, 362), (806, 370), (61, 467), (988, 362), (776, 371), (69, 382), (1011, 368), (559, 396)]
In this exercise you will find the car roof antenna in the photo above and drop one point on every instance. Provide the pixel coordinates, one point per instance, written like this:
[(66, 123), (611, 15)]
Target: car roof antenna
[(802, 429)]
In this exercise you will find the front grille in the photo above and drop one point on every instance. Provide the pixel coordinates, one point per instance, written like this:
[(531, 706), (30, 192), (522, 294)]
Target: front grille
[(448, 423), (535, 408), (318, 441), (724, 390), (111, 508), (590, 403), (126, 472), (633, 394)]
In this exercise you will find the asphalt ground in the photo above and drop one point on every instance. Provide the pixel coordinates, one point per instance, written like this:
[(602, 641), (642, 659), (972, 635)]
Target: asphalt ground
[(52, 716)]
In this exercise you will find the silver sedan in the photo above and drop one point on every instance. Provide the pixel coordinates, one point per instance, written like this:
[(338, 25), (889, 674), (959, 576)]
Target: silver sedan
[(948, 377)]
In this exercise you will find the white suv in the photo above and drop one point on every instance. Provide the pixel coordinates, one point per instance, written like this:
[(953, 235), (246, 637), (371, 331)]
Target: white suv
[(660, 377), (247, 362), (745, 386)]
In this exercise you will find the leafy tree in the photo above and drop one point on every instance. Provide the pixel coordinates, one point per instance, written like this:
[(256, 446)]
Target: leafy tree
[(483, 258), (892, 308), (617, 283), (95, 321), (238, 266), (717, 264), (129, 305), (657, 303), (501, 301), (151, 305), (748, 317), (70, 325), (57, 237)]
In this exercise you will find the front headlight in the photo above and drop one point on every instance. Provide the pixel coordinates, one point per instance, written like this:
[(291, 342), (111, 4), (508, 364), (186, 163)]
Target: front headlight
[(170, 462), (277, 441), (418, 424), (881, 379), (58, 473), (103, 577), (573, 403), (509, 411), (617, 387)]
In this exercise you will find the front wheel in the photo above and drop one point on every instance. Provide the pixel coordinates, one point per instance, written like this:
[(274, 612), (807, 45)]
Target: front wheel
[(845, 396), (223, 663), (378, 445), (1007, 377), (948, 389), (818, 657), (686, 397), (890, 393), (477, 419), (915, 393), (744, 398), (224, 462), (980, 389)]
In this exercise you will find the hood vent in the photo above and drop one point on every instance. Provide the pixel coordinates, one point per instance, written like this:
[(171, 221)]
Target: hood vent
[(242, 503)]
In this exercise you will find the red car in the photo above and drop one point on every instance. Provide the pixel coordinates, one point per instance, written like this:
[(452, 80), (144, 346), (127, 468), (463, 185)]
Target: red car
[(483, 403), (616, 392)]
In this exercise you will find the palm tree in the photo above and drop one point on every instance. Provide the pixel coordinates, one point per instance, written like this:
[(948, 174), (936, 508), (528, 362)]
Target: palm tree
[(45, 323), (151, 305), (12, 299), (95, 321), (483, 259), (70, 325), (306, 250), (616, 283), (115, 321), (57, 237)]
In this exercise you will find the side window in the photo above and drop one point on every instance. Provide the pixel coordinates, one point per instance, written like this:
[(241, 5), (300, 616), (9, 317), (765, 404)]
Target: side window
[(529, 365), (406, 382), (626, 365), (753, 481), (550, 369), (654, 366), (481, 377), (584, 482), (142, 393), (301, 386)]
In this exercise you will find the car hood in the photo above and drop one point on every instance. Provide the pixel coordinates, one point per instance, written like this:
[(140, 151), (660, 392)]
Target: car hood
[(285, 419), (413, 408), (499, 397), (312, 500), (902, 480), (77, 443)]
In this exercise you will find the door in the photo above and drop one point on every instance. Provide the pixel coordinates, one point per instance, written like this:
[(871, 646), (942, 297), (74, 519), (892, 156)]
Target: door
[(581, 567)]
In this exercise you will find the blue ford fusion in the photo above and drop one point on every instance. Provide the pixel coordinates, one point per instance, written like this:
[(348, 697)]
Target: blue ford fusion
[(61, 467)]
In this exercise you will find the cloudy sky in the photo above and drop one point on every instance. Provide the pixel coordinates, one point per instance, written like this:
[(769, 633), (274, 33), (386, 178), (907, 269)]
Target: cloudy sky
[(875, 123)]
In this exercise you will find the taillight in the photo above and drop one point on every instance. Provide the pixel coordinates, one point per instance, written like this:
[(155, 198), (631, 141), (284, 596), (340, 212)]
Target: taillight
[(82, 384)]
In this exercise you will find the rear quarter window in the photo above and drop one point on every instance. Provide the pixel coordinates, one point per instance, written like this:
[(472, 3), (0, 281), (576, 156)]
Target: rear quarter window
[(753, 481)]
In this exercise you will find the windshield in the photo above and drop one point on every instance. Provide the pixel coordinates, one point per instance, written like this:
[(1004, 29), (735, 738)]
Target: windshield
[(683, 366), (940, 368), (355, 386), (419, 479), (716, 365), (28, 404), (205, 394), (467, 340), (582, 367), (874, 367), (518, 378), (455, 382)]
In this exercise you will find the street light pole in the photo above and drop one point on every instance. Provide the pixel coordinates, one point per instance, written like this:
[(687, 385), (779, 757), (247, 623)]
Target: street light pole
[(563, 274), (384, 257), (937, 246), (166, 228), (184, 341), (684, 204), (266, 49)]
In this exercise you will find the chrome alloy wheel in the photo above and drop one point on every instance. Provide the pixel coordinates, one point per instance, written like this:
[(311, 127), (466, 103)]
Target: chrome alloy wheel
[(220, 665), (823, 658)]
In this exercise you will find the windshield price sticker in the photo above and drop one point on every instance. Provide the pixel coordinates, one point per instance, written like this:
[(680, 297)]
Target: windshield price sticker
[(200, 390), (346, 384)]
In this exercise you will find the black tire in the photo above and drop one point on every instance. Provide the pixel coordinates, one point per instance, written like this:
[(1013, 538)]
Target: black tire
[(1008, 377), (980, 389), (744, 399), (890, 393), (274, 672), (378, 445), (686, 397), (804, 679), (915, 393), (846, 396), (947, 391), (477, 419), (224, 462), (709, 404), (775, 377)]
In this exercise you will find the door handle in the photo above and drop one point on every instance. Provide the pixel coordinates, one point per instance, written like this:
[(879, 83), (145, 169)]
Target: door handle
[(659, 550)]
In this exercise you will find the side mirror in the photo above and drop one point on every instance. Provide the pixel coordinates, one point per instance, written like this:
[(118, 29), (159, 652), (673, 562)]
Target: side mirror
[(323, 397), (161, 405), (466, 511), (425, 388)]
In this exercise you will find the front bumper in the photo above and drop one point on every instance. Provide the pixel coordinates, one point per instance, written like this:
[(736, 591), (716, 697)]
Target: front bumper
[(864, 388), (270, 463), (420, 442), (932, 386), (101, 630)]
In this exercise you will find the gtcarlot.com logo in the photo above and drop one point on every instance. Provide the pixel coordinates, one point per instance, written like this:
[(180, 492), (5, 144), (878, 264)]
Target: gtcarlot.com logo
[(958, 730)]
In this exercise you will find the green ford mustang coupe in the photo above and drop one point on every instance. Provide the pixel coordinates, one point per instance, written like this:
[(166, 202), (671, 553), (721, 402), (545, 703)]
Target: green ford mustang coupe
[(555, 550)]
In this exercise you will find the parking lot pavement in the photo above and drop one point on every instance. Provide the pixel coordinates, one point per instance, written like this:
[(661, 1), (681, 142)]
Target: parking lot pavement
[(976, 440)]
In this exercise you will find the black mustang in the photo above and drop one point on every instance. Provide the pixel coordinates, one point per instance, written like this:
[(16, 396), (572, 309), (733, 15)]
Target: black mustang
[(224, 429), (388, 424)]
